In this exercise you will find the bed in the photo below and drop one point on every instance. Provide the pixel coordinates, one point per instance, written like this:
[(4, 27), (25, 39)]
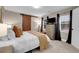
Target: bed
[(25, 43)]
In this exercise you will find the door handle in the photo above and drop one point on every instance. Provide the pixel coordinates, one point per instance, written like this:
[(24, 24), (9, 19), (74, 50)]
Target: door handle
[(72, 29)]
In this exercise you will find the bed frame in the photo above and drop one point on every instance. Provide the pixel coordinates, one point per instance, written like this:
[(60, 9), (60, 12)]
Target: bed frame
[(32, 50)]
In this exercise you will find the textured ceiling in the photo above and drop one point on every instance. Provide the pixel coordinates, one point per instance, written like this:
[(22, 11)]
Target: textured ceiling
[(43, 10)]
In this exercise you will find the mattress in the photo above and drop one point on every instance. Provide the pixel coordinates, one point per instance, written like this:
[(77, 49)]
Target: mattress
[(25, 43)]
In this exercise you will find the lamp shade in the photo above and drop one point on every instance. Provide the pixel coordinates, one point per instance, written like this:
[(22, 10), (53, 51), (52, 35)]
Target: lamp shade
[(9, 26), (3, 30)]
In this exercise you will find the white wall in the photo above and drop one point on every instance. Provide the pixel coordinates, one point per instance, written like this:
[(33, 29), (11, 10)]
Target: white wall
[(35, 24), (16, 19), (75, 26), (12, 18)]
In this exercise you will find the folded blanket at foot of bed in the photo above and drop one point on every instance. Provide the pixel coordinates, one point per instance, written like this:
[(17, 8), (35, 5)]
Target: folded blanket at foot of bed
[(43, 43)]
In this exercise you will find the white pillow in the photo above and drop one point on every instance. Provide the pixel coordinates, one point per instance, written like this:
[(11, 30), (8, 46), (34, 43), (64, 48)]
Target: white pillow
[(11, 34)]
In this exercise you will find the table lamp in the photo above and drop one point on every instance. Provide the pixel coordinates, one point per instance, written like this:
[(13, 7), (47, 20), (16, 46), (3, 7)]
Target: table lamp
[(3, 30)]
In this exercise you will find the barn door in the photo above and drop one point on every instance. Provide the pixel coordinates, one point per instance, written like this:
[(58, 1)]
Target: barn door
[(26, 23)]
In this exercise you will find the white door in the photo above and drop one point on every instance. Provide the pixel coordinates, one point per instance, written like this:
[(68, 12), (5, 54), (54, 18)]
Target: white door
[(75, 26)]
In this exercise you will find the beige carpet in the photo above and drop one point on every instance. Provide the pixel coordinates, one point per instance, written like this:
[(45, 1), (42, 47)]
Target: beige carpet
[(58, 47)]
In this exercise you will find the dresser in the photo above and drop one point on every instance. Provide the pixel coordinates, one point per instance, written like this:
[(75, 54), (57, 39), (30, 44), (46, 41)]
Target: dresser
[(6, 47), (50, 30)]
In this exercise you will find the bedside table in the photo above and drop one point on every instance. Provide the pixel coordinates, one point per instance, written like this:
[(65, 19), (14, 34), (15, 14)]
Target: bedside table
[(6, 47)]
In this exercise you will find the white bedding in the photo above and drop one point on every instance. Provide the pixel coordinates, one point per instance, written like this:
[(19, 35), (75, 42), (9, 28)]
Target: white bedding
[(23, 44)]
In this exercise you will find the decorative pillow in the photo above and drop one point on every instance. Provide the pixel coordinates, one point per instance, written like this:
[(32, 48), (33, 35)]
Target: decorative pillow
[(20, 30), (11, 34), (17, 31)]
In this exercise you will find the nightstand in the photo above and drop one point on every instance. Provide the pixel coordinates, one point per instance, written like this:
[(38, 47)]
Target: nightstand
[(6, 49)]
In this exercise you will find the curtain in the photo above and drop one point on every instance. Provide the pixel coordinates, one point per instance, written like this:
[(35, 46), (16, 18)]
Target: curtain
[(70, 28), (57, 29), (42, 25)]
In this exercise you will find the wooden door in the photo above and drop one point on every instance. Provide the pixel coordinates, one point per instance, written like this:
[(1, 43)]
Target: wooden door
[(26, 23)]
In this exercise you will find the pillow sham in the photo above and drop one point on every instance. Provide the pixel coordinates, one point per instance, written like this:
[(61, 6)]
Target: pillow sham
[(11, 34)]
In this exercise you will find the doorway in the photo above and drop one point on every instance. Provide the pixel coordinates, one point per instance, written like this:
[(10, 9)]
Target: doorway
[(64, 26)]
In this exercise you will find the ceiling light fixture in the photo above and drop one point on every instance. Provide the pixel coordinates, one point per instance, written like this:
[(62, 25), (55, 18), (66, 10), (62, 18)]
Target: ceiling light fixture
[(36, 6)]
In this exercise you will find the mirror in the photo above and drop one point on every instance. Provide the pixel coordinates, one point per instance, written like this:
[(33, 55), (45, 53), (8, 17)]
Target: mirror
[(1, 13)]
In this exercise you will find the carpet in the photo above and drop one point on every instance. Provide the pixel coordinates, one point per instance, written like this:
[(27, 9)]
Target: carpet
[(58, 47)]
